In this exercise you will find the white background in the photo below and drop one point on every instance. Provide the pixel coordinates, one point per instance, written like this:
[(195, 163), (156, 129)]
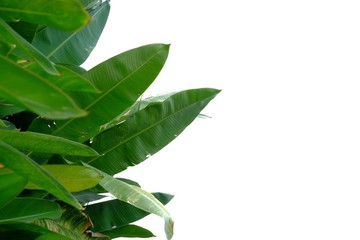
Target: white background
[(279, 159)]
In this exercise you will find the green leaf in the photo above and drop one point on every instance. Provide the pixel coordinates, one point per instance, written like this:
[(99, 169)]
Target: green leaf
[(29, 209), (147, 131), (28, 231), (26, 167), (115, 213), (25, 29), (72, 223), (11, 185), (37, 142), (28, 50), (67, 79), (87, 196), (73, 48), (44, 98), (56, 14), (2, 124), (5, 47), (7, 108), (138, 198), (129, 231), (121, 80), (74, 178)]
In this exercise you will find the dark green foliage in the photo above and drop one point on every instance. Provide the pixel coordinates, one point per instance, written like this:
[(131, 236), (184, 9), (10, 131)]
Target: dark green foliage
[(66, 131)]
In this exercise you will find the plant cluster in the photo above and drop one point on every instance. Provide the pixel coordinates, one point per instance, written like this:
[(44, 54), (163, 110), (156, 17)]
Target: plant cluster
[(66, 131)]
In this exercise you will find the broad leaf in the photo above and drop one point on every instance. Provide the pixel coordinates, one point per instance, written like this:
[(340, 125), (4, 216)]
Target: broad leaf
[(37, 142), (121, 80), (67, 80), (74, 178), (73, 48), (139, 198), (28, 231), (129, 231), (7, 108), (11, 185), (147, 131), (56, 14), (25, 29), (29, 209), (28, 50), (26, 167), (115, 213), (44, 98)]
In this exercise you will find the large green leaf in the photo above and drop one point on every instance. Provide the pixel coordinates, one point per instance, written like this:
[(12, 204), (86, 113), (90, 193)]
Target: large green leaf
[(7, 108), (67, 80), (28, 231), (115, 213), (129, 231), (29, 209), (68, 15), (147, 131), (73, 223), (37, 142), (11, 185), (121, 80), (26, 167), (139, 198), (44, 98), (25, 49), (25, 29), (74, 178), (73, 48)]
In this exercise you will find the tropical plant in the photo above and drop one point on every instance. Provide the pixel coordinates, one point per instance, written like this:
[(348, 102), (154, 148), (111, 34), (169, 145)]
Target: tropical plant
[(66, 131)]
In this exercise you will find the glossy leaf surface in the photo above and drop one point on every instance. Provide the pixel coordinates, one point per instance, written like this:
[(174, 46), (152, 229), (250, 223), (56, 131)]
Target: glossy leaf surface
[(147, 131), (121, 80), (44, 98), (56, 14), (37, 142), (27, 168), (28, 210), (116, 213), (74, 178), (73, 47)]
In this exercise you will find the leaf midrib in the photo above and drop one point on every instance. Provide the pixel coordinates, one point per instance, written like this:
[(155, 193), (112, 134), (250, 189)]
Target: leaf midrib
[(146, 129), (71, 35), (110, 90)]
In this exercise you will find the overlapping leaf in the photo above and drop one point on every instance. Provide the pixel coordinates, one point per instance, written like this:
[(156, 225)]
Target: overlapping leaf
[(73, 47), (147, 131), (28, 231), (115, 213), (139, 198), (74, 178), (37, 142), (25, 49), (27, 168), (44, 98), (28, 210), (129, 231), (56, 14), (121, 80), (11, 185)]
